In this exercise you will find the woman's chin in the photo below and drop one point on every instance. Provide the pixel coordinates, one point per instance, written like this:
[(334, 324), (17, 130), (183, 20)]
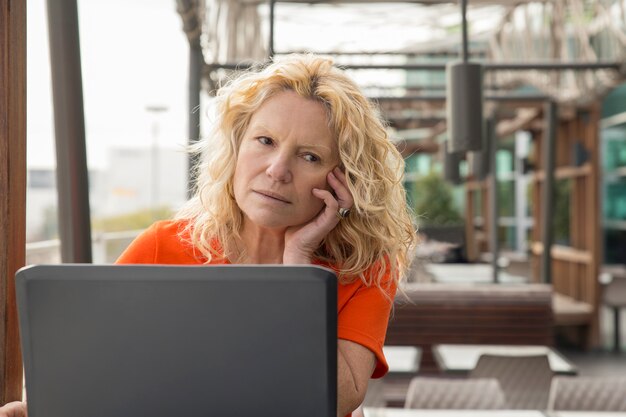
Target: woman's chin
[(273, 222)]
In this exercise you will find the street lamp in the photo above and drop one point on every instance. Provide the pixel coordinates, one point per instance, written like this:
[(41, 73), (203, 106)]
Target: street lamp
[(156, 110)]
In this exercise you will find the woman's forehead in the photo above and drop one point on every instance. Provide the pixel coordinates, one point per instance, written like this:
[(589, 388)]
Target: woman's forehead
[(287, 112)]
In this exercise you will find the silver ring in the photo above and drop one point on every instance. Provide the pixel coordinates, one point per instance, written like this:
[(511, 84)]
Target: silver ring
[(343, 212)]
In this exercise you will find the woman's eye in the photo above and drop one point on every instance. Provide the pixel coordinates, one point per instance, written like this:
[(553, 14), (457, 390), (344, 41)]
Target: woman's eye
[(309, 157), (265, 140)]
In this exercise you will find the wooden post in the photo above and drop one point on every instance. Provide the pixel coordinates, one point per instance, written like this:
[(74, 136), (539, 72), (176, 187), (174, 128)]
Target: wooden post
[(69, 132), (12, 188), (492, 149), (547, 197), (193, 29), (470, 244)]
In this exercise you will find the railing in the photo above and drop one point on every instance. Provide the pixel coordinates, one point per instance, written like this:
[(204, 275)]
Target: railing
[(106, 247)]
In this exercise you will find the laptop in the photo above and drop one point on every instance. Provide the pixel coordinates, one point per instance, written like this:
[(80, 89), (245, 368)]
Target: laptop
[(151, 341)]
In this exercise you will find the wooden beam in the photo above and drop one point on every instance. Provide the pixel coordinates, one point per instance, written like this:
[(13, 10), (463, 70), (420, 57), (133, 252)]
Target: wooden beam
[(563, 173), (564, 253), (522, 119), (12, 188), (474, 185)]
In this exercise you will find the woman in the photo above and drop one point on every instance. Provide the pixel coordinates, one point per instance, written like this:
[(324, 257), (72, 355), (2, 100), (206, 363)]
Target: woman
[(299, 170)]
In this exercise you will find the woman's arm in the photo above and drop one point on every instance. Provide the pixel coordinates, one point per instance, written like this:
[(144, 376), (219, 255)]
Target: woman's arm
[(14, 409), (355, 365)]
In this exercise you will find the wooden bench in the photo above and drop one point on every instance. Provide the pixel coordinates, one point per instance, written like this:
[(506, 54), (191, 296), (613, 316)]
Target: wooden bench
[(570, 312), (430, 313)]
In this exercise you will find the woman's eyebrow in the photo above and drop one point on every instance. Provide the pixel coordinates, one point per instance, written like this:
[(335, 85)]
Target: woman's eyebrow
[(316, 146), (259, 128)]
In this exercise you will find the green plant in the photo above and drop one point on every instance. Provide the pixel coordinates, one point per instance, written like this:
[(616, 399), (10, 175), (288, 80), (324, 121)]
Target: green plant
[(132, 221), (433, 201)]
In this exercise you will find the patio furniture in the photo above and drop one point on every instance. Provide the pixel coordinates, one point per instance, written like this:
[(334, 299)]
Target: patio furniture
[(575, 315), (614, 296), (588, 394), (408, 412), (402, 360), (461, 359), (525, 380), (446, 393), (426, 314)]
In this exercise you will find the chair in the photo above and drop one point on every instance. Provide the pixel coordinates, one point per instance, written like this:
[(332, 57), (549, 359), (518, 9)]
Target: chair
[(588, 394), (469, 394), (614, 296), (525, 380)]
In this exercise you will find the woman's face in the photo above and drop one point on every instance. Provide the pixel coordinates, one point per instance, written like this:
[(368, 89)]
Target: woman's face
[(287, 150)]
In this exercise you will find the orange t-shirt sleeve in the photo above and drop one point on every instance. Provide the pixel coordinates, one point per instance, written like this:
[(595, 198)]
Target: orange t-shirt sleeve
[(364, 320)]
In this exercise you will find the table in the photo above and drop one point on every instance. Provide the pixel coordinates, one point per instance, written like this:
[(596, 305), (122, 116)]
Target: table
[(583, 414), (463, 358), (470, 273), (401, 412), (402, 359)]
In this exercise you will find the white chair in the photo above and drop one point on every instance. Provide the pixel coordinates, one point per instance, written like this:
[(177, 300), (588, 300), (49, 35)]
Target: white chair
[(588, 394), (525, 380), (446, 393), (614, 296)]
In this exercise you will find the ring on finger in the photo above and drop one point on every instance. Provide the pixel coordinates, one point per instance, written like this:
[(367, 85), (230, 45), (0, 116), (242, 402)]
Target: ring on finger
[(343, 212)]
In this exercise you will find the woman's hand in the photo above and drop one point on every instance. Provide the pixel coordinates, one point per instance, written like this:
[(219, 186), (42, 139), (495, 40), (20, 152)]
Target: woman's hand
[(302, 241), (14, 409)]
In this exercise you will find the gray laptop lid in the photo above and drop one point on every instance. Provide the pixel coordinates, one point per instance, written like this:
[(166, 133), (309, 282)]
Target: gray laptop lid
[(122, 341)]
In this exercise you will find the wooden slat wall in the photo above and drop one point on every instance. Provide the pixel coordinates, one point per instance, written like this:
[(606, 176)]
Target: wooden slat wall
[(12, 187), (575, 268)]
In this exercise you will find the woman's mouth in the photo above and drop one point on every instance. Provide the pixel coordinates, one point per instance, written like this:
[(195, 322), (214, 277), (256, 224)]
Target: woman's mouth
[(273, 195)]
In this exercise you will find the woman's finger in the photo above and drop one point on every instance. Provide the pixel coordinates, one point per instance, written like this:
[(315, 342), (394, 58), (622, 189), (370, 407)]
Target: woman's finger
[(329, 200), (337, 181)]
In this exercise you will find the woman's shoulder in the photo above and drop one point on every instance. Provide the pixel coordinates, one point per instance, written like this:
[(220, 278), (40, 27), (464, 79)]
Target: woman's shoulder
[(169, 228)]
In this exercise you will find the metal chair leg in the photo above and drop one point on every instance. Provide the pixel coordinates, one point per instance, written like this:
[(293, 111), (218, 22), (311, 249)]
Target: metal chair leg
[(616, 335)]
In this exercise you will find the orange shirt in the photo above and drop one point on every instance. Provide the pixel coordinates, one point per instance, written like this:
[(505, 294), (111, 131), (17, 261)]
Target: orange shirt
[(362, 312)]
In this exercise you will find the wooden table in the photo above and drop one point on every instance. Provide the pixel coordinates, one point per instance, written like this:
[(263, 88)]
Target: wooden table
[(463, 358), (583, 414), (470, 273), (401, 412), (402, 360)]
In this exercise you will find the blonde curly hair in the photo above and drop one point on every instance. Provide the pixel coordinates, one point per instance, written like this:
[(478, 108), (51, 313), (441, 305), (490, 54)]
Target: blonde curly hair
[(376, 238)]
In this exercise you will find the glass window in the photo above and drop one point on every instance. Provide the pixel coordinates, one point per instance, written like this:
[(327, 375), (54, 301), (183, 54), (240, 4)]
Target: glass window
[(135, 101)]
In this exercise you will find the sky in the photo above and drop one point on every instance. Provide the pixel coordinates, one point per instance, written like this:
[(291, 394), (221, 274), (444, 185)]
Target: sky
[(134, 54)]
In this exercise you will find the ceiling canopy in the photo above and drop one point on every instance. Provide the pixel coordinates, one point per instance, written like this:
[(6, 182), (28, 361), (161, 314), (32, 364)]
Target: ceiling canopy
[(386, 32)]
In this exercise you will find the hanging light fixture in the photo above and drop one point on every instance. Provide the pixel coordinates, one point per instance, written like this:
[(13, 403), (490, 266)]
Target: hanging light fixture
[(450, 164), (478, 161), (464, 99), (478, 164)]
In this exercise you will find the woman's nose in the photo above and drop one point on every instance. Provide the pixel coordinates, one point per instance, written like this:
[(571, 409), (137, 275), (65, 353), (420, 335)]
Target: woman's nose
[(279, 169)]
